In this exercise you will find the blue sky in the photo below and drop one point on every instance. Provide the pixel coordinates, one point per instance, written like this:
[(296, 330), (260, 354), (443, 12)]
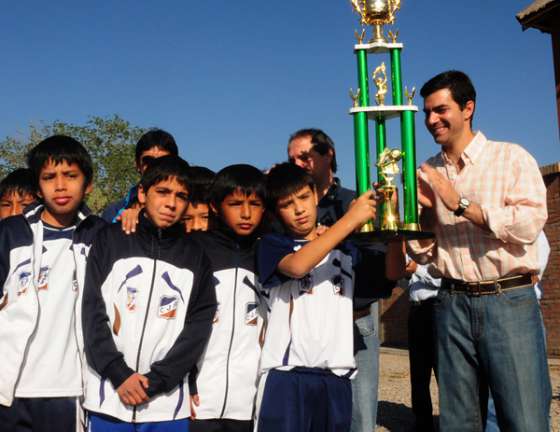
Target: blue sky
[(231, 80)]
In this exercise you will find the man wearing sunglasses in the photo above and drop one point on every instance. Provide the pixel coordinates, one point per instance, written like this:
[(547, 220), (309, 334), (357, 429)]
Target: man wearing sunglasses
[(152, 145)]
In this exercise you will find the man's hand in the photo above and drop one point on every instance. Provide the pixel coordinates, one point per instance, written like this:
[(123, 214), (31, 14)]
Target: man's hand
[(441, 187), (362, 209), (195, 401), (132, 391), (425, 193)]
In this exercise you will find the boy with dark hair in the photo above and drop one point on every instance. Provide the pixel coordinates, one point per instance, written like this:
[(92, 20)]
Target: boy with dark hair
[(17, 191), (197, 215), (224, 386), (42, 266), (147, 311), (153, 144), (309, 282)]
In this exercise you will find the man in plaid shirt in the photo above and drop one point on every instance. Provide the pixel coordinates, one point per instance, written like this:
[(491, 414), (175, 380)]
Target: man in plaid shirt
[(486, 203)]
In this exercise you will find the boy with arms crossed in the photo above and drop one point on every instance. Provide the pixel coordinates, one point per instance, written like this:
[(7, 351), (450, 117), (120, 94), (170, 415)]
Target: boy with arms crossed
[(42, 266), (310, 281), (225, 385), (148, 307)]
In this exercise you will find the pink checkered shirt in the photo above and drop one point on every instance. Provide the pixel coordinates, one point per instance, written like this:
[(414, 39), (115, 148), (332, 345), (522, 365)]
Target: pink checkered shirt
[(504, 179)]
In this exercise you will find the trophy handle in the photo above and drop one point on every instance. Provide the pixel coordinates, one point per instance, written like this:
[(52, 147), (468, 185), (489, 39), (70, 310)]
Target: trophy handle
[(356, 6)]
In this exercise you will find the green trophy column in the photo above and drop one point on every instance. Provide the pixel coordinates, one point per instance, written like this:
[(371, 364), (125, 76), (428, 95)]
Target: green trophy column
[(407, 146), (361, 130), (380, 141), (409, 172)]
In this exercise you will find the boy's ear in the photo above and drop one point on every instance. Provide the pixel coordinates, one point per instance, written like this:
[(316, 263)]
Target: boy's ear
[(89, 188), (141, 195), (315, 196)]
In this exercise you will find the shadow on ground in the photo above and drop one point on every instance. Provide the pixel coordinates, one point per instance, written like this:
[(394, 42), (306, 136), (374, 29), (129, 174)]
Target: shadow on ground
[(395, 416)]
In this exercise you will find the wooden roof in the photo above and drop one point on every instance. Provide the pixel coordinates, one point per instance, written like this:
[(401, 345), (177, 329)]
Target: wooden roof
[(541, 14)]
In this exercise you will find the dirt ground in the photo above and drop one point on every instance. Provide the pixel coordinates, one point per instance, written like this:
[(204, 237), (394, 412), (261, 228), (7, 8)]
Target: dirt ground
[(395, 413)]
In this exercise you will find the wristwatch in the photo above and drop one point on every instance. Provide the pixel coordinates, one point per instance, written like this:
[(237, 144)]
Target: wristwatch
[(463, 204)]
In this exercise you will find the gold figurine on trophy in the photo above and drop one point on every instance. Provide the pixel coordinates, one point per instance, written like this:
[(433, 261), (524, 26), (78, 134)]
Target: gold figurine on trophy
[(379, 77), (360, 36), (377, 13), (410, 96), (393, 36), (355, 97), (387, 165)]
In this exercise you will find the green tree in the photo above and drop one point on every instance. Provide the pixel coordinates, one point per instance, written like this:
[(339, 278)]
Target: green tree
[(110, 142)]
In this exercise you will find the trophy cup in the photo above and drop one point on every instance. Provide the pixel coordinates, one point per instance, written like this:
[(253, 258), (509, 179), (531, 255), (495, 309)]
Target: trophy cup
[(378, 13)]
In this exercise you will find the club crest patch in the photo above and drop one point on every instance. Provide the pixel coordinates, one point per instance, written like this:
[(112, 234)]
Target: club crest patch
[(168, 307), (43, 279), (338, 284), (131, 293), (251, 314), (24, 278)]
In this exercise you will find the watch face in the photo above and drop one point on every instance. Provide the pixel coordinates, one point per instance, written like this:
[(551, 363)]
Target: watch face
[(464, 202)]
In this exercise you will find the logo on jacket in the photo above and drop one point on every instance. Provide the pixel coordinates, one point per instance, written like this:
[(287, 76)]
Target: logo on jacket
[(338, 284), (43, 279), (23, 278), (168, 307), (251, 314), (131, 293)]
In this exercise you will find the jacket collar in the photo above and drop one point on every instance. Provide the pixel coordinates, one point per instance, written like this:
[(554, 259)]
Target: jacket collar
[(33, 213), (164, 235), (229, 238)]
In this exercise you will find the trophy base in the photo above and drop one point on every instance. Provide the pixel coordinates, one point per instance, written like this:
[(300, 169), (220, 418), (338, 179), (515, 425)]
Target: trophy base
[(382, 236)]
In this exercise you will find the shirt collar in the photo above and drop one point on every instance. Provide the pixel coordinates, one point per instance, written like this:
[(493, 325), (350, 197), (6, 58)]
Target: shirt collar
[(332, 193), (471, 152)]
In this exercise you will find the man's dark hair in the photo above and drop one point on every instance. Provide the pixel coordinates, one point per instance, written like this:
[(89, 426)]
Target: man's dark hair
[(201, 179), (246, 178), (164, 168), (60, 148), (156, 138), (322, 143), (458, 83), (285, 179), (19, 181)]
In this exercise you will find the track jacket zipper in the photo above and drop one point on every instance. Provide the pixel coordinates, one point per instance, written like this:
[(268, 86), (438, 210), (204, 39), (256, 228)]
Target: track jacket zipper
[(232, 329), (147, 311)]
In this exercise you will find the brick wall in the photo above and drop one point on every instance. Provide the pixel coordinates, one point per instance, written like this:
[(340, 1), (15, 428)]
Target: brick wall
[(393, 312), (551, 279)]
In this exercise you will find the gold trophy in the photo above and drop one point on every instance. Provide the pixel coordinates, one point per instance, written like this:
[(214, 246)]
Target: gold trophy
[(387, 165), (379, 77), (377, 13)]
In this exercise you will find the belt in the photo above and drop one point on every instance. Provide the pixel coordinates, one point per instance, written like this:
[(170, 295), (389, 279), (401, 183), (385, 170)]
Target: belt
[(360, 313), (489, 287)]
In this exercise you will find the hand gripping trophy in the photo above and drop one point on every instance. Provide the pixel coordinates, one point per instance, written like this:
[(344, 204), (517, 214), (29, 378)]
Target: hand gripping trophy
[(378, 13)]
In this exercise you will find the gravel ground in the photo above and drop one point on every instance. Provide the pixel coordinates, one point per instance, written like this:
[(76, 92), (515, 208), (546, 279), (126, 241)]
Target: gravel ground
[(395, 412)]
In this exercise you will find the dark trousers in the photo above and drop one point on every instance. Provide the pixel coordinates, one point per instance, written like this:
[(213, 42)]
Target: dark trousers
[(305, 400), (39, 415), (221, 425), (422, 356)]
